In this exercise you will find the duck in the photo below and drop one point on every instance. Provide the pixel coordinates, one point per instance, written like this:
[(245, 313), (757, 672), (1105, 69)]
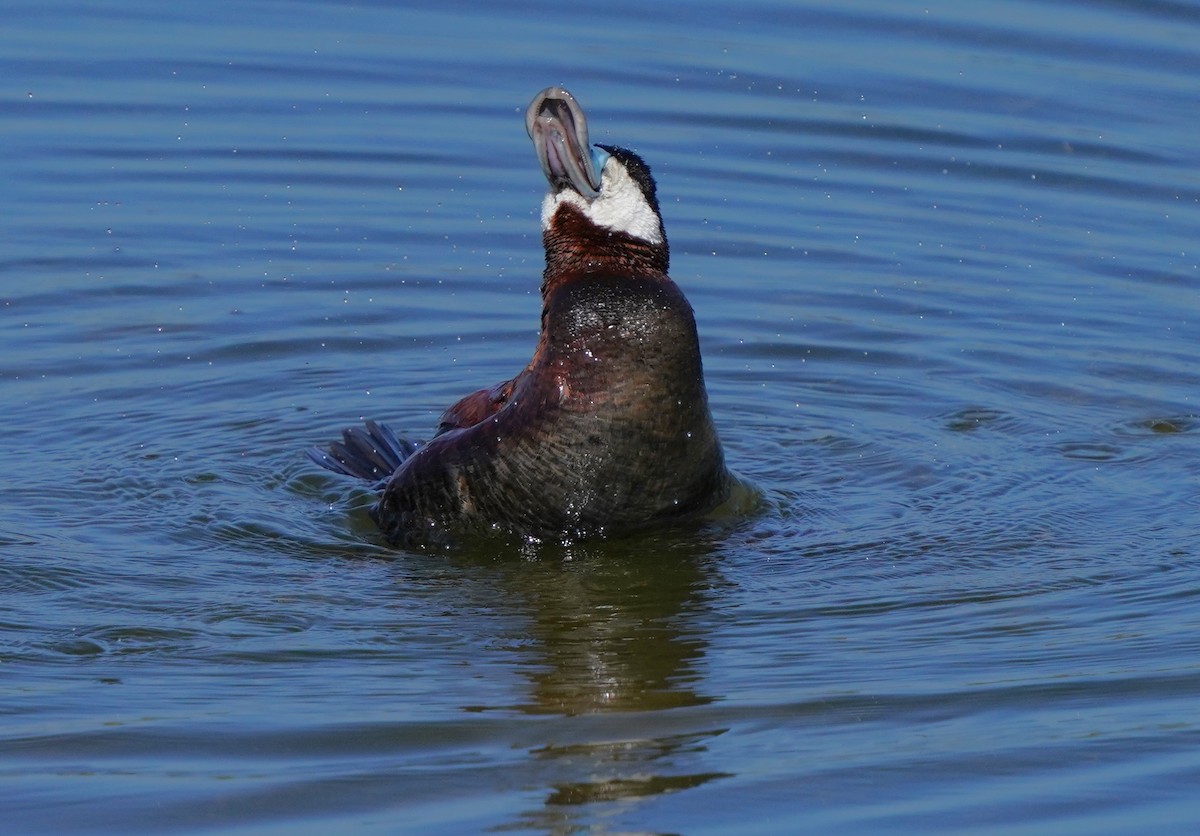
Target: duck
[(607, 431)]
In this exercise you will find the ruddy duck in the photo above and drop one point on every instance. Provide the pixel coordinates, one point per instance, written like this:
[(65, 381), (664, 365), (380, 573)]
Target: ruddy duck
[(608, 429)]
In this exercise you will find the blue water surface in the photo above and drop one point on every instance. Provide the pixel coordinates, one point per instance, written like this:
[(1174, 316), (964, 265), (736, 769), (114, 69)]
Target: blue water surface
[(943, 260)]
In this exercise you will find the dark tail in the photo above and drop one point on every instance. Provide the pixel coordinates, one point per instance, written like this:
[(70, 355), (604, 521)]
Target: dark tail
[(372, 452)]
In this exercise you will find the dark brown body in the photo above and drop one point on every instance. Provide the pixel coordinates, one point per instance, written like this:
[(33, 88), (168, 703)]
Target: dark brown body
[(607, 430)]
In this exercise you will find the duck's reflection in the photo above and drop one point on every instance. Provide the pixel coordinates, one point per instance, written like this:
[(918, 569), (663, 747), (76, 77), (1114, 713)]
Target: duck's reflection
[(609, 627), (616, 638)]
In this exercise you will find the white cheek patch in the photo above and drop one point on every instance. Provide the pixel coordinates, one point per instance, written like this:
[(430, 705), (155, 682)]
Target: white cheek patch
[(620, 207)]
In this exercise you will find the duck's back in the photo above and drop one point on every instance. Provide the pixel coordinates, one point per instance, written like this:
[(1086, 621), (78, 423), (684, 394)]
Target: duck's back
[(607, 430)]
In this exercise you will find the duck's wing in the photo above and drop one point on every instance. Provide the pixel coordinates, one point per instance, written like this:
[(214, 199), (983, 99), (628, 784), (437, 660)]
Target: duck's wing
[(475, 407)]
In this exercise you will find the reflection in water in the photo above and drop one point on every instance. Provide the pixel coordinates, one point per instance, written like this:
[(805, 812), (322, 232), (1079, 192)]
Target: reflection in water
[(608, 634), (607, 623), (639, 753)]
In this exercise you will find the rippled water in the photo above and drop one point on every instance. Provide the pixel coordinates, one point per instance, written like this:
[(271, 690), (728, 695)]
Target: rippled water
[(944, 263)]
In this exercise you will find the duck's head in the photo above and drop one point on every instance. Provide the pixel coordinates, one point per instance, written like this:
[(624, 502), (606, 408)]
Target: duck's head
[(608, 187)]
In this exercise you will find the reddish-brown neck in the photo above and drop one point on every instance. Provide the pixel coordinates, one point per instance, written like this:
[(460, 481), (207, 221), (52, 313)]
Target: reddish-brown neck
[(574, 246)]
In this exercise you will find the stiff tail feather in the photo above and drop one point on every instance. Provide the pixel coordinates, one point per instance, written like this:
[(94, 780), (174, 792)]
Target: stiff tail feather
[(372, 452)]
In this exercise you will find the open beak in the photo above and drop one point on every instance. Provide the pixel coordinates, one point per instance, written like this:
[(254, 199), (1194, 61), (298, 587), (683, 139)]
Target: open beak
[(558, 128)]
